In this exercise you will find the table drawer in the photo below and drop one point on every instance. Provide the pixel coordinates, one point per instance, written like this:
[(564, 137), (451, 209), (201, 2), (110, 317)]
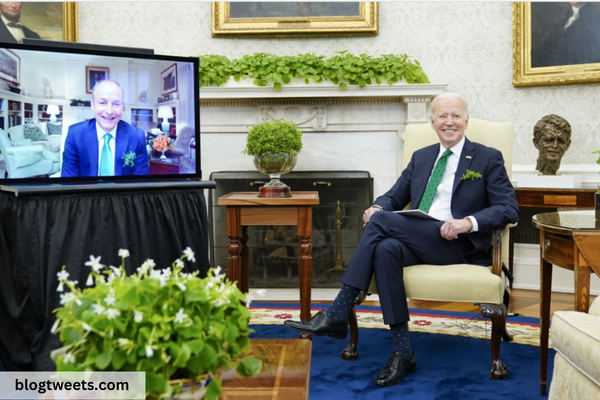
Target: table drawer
[(558, 250)]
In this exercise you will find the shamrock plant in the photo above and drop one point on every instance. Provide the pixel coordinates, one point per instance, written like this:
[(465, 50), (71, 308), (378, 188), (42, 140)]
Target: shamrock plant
[(166, 322), (472, 175), (343, 69)]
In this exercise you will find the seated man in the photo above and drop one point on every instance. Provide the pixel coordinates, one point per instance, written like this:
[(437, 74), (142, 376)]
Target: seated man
[(466, 209), (105, 145)]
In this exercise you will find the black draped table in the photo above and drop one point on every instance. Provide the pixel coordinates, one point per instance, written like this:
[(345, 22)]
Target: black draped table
[(41, 233)]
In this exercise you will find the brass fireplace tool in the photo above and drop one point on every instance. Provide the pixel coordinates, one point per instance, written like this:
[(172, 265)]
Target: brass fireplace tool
[(339, 263)]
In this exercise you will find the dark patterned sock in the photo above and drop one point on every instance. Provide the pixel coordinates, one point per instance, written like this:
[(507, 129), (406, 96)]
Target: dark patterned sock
[(338, 310), (401, 341)]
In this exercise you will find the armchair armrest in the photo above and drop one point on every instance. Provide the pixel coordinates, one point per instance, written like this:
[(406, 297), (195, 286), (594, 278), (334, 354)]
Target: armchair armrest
[(22, 142), (25, 155), (497, 248)]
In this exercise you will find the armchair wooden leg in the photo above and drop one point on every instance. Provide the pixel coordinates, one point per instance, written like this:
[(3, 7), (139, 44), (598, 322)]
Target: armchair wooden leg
[(507, 337), (497, 314), (350, 353)]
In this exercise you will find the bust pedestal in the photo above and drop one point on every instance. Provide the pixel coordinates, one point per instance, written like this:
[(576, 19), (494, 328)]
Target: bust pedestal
[(549, 181)]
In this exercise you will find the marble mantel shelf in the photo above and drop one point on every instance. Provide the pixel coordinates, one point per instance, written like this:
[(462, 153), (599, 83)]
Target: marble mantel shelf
[(237, 90)]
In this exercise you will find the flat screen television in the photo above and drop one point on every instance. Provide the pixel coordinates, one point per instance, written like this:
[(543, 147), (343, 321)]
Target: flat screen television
[(58, 102)]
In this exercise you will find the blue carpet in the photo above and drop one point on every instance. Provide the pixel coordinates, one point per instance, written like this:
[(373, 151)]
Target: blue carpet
[(448, 367)]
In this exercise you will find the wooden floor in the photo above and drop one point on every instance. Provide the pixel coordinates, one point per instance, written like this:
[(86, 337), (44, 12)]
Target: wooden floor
[(523, 302)]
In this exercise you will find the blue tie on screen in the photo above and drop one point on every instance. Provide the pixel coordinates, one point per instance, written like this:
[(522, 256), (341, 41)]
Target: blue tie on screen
[(106, 158)]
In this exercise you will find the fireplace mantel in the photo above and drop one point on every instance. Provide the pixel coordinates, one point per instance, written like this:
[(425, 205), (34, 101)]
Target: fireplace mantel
[(245, 90), (352, 129)]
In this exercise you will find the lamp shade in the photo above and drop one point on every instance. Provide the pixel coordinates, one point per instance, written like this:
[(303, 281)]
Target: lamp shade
[(165, 112), (53, 109)]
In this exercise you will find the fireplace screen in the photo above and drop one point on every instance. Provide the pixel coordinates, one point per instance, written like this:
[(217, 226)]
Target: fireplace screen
[(273, 250)]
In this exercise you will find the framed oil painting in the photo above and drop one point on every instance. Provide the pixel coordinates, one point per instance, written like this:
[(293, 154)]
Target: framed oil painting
[(169, 80), (10, 66), (287, 19), (93, 75), (40, 20), (556, 43)]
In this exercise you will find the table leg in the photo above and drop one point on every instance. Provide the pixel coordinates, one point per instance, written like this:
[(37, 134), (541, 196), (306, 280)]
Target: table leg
[(245, 273), (545, 298), (234, 232), (305, 259), (582, 282)]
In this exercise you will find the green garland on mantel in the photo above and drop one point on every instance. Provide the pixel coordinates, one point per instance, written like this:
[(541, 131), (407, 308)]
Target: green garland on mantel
[(342, 69)]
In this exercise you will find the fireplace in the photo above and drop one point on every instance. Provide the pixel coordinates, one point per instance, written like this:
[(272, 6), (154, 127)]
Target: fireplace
[(273, 250)]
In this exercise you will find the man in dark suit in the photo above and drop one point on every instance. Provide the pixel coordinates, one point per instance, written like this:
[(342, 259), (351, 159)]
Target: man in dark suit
[(466, 212), (11, 31), (105, 145), (574, 40)]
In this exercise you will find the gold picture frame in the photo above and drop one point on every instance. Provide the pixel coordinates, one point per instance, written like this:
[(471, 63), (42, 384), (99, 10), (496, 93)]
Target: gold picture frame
[(50, 20), (94, 75), (289, 19), (537, 64), (70, 24)]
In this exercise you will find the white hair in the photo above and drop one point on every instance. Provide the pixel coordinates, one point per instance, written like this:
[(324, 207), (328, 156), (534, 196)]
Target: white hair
[(450, 95)]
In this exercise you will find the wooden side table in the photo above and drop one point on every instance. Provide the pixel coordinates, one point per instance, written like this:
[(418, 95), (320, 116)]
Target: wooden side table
[(571, 240), (549, 198), (247, 209), (158, 167), (285, 374)]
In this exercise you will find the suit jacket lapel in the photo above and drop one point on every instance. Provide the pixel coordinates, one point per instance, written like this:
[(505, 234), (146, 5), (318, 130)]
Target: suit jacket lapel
[(423, 170), (120, 148), (464, 162), (93, 152)]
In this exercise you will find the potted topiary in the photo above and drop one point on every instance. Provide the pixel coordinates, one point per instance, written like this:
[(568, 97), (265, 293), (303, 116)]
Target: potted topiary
[(175, 326), (274, 146)]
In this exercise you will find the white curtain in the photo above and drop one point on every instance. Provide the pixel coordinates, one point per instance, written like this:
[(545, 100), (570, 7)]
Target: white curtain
[(185, 112)]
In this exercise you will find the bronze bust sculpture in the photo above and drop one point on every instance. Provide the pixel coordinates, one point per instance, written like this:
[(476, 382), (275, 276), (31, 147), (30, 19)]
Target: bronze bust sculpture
[(552, 138)]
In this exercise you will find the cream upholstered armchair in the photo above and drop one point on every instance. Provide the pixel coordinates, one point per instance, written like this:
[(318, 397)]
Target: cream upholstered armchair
[(485, 286), (576, 339), (25, 159)]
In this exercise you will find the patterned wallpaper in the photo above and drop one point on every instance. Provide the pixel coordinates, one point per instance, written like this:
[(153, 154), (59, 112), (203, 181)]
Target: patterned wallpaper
[(466, 45)]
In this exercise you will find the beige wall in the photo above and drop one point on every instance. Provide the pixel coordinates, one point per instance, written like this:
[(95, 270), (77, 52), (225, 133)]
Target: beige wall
[(467, 45)]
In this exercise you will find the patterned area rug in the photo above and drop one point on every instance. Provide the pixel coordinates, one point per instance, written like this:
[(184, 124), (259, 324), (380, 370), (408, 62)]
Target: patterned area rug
[(525, 330)]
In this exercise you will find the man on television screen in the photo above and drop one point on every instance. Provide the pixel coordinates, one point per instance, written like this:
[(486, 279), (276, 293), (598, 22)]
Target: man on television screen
[(105, 145), (11, 31)]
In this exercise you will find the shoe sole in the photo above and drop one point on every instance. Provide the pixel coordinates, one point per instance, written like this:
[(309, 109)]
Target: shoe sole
[(336, 336)]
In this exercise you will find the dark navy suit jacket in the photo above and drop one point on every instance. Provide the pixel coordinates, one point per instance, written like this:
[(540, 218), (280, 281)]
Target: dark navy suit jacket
[(7, 37), (490, 199), (80, 155)]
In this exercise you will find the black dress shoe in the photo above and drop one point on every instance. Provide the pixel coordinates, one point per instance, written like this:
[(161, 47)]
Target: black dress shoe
[(321, 325), (396, 368)]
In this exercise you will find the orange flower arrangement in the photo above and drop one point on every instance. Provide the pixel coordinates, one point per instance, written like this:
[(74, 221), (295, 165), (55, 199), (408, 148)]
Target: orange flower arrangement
[(162, 143)]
